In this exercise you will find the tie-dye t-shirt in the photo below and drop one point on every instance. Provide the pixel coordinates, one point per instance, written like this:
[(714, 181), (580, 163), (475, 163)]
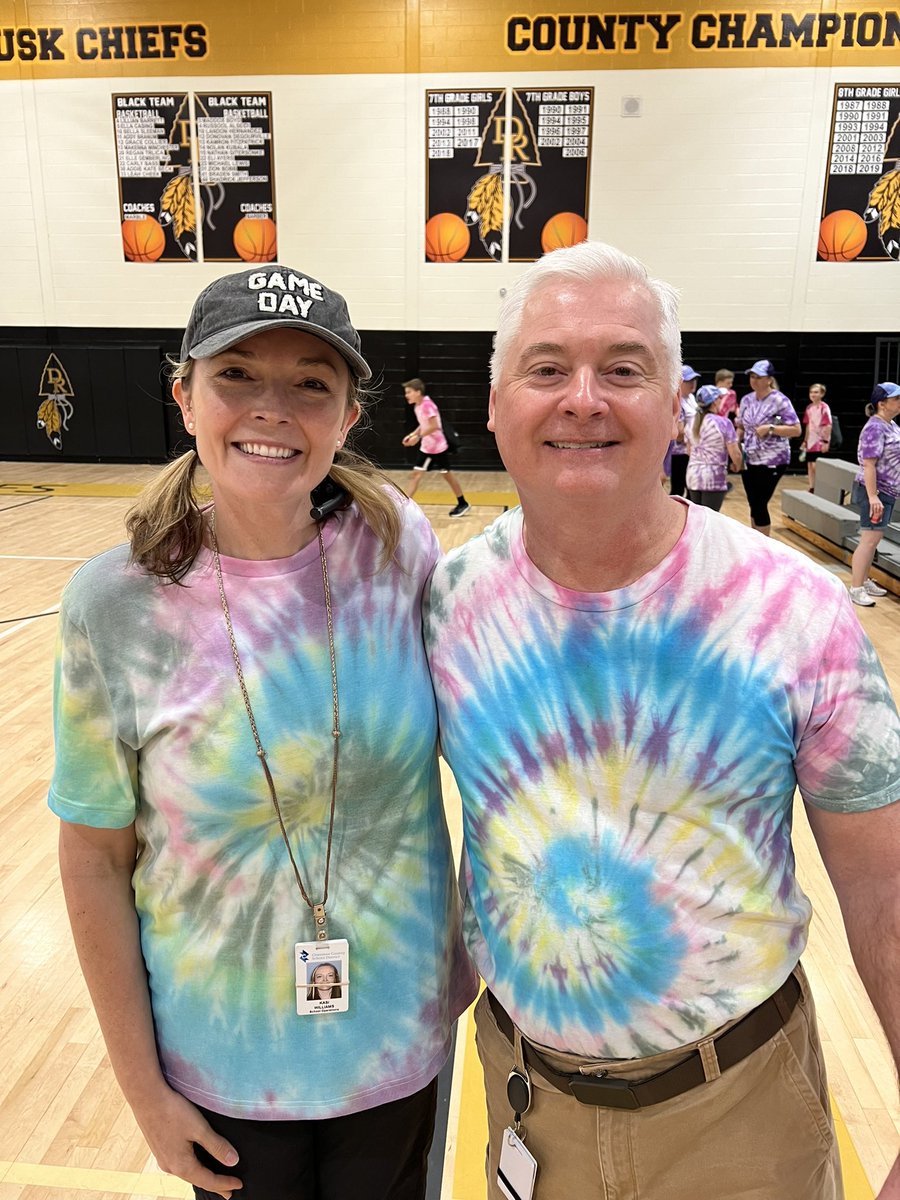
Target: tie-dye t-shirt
[(776, 409), (708, 469), (627, 762), (151, 729), (881, 440), (817, 419), (432, 443)]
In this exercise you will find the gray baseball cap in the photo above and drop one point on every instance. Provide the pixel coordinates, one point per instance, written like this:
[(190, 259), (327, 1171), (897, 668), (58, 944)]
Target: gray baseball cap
[(239, 306)]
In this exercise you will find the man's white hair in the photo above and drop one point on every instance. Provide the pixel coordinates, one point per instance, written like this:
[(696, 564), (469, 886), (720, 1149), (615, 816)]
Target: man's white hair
[(586, 263)]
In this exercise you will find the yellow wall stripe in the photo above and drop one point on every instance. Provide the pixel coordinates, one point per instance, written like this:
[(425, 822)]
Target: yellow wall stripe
[(355, 37)]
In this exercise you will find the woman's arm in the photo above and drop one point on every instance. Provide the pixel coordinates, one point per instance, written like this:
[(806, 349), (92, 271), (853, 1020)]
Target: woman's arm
[(736, 456), (96, 866), (870, 477)]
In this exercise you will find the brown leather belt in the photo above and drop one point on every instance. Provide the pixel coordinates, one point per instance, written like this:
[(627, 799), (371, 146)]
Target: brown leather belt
[(735, 1044)]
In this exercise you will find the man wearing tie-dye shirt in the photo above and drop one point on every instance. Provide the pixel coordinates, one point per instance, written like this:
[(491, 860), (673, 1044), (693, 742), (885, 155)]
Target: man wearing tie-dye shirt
[(630, 690)]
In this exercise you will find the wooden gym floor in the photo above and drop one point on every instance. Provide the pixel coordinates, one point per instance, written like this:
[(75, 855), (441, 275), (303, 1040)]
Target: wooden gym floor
[(64, 1128)]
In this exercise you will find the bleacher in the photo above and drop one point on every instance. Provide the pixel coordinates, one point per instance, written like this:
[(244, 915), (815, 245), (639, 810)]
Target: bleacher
[(829, 519)]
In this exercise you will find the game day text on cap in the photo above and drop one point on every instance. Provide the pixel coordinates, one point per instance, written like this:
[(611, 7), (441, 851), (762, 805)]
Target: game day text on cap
[(239, 306)]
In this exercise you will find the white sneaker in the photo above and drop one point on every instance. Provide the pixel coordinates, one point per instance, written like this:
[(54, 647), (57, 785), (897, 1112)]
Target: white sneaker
[(872, 588), (861, 596)]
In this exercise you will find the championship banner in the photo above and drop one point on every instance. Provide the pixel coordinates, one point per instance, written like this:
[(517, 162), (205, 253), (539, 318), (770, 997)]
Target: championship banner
[(861, 205), (156, 194), (234, 138), (232, 197), (517, 157), (550, 151), (464, 175)]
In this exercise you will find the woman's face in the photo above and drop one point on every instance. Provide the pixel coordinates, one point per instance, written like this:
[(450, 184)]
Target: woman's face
[(269, 415), (760, 384), (889, 409), (816, 394), (324, 977)]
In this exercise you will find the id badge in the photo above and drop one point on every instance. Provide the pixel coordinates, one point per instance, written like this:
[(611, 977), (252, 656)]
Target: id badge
[(323, 977), (518, 1168)]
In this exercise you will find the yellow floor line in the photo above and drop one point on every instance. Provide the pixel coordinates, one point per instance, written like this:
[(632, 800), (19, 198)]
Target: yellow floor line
[(69, 489), (100, 490), (471, 1135), (856, 1182), (500, 499), (87, 1179)]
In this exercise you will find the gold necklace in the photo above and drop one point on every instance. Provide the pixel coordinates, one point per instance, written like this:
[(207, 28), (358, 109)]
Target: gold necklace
[(320, 917)]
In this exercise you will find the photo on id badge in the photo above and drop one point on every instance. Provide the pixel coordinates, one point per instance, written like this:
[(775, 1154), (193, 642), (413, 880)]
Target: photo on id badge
[(517, 1170), (323, 977)]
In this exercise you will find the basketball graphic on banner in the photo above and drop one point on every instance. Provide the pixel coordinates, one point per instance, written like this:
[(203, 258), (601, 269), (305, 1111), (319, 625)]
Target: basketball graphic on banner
[(446, 238), (563, 229), (842, 236), (255, 239), (143, 240)]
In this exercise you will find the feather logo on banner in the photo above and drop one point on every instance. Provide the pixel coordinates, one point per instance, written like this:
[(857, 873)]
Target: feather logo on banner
[(56, 410), (485, 199), (884, 198)]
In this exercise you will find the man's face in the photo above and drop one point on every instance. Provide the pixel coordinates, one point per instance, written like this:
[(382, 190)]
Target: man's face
[(586, 404), (412, 396), (687, 386)]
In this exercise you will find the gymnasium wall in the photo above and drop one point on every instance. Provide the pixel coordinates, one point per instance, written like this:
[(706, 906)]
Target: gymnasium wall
[(717, 184)]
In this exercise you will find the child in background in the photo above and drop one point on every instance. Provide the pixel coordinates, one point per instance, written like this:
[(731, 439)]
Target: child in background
[(817, 438), (429, 437), (725, 382)]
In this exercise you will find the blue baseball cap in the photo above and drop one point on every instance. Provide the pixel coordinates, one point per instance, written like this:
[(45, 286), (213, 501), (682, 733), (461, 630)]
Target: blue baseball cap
[(709, 394), (763, 367), (688, 373), (885, 391)]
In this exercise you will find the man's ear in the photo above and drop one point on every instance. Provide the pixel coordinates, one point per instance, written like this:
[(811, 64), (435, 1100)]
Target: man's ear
[(491, 406)]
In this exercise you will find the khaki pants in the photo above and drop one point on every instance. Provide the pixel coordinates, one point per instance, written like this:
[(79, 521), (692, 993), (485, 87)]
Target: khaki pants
[(760, 1131)]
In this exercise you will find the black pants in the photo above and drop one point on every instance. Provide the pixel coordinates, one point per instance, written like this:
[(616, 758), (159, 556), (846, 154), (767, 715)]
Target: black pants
[(759, 484), (378, 1154), (707, 499), (679, 474)]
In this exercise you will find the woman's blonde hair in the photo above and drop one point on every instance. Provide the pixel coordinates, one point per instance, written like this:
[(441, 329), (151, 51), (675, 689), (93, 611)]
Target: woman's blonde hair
[(165, 525)]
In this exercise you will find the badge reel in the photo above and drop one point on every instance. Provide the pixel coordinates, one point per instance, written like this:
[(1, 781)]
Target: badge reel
[(517, 1169)]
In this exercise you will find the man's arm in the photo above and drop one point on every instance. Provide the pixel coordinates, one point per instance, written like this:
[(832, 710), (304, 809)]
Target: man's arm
[(96, 866), (861, 853)]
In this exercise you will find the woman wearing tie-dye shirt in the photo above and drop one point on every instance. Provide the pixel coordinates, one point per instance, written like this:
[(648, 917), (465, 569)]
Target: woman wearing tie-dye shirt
[(766, 419), (712, 444), (876, 487), (247, 779)]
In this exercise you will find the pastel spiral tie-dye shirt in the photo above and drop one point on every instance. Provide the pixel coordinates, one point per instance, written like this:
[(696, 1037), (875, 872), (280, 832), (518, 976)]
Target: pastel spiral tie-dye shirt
[(708, 469), (776, 409), (151, 729), (627, 762), (881, 440)]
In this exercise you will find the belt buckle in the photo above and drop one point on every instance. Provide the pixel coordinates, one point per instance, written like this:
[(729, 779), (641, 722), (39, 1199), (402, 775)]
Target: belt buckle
[(601, 1090)]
